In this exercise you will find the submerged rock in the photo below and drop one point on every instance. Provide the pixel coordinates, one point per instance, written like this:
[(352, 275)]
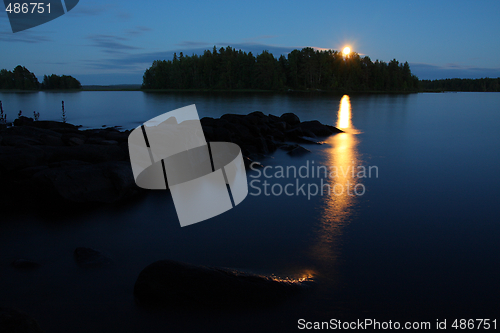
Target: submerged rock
[(25, 264), (171, 283), (298, 151), (90, 258)]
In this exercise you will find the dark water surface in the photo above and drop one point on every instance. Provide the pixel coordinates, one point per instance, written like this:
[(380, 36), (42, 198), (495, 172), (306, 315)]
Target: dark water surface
[(421, 243)]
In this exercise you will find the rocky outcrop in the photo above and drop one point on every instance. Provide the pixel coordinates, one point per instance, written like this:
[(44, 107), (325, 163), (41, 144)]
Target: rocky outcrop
[(53, 164), (50, 164), (169, 283), (257, 133)]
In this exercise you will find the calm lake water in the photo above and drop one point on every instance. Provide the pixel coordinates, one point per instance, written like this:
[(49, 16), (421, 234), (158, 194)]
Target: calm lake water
[(419, 243)]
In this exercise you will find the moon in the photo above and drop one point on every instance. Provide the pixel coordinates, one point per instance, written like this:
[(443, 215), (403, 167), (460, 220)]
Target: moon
[(346, 50)]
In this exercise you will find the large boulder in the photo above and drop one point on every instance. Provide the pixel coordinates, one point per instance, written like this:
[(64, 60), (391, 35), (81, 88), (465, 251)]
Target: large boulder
[(171, 284), (23, 121), (290, 118)]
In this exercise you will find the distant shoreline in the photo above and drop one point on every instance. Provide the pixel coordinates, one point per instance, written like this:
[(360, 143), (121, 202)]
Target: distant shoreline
[(137, 88)]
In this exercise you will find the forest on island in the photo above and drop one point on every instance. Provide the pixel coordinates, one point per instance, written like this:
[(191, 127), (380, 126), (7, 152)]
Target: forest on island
[(306, 69), (22, 79)]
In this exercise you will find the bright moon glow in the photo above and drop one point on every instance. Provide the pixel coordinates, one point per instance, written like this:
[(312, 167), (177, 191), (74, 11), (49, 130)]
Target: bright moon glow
[(346, 50)]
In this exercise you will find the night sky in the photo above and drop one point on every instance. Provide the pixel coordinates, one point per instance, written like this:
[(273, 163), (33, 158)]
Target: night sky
[(113, 42)]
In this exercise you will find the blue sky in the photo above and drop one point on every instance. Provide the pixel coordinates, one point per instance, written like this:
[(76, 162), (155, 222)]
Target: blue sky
[(113, 42)]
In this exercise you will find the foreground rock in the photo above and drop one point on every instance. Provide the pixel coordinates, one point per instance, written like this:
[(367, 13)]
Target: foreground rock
[(55, 165), (169, 283), (13, 321)]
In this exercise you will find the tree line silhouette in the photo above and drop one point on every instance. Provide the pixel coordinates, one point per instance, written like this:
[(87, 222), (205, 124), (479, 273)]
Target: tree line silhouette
[(22, 79), (305, 69), (485, 84), (231, 69)]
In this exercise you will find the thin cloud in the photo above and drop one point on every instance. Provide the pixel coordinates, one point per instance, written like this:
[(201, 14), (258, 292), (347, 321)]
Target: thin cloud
[(265, 37), (124, 15), (97, 8), (139, 30), (110, 65), (191, 44), (253, 39), (456, 66), (90, 9), (58, 63), (111, 44)]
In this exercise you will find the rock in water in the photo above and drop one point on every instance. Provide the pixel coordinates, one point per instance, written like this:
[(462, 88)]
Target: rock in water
[(298, 151), (89, 258), (170, 283), (318, 128), (25, 264)]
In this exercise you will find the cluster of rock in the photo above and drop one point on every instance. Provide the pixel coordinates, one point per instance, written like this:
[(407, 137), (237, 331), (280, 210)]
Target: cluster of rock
[(42, 162), (257, 133)]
